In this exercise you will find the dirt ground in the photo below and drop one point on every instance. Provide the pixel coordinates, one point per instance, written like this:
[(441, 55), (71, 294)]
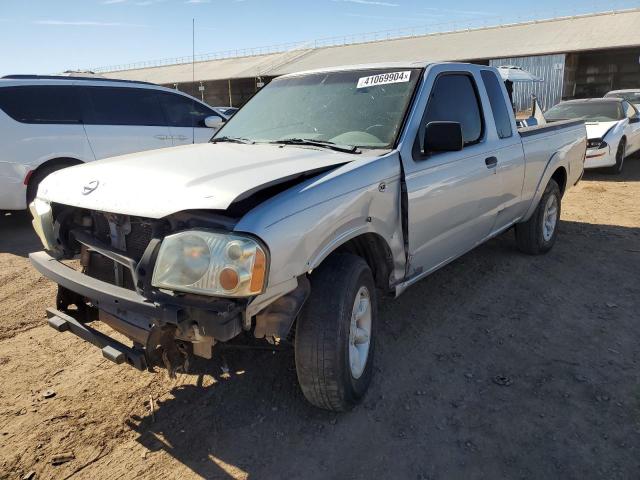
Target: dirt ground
[(500, 365)]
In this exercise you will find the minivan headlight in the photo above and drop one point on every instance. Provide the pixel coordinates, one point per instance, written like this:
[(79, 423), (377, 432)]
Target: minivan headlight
[(210, 263)]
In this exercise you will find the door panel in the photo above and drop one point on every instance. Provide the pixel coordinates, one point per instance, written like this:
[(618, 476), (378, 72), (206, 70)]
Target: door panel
[(453, 197), (453, 204), (111, 140), (511, 166)]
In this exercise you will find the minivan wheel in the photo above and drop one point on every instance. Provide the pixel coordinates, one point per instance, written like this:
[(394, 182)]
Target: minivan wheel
[(334, 343), (40, 174), (538, 234)]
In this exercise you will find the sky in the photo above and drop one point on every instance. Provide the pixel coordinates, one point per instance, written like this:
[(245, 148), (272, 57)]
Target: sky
[(50, 36)]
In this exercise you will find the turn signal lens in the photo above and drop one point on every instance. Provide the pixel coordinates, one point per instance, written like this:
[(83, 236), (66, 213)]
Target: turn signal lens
[(259, 271)]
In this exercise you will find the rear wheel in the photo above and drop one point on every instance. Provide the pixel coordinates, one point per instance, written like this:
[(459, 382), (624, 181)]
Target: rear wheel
[(620, 154), (538, 234), (334, 344)]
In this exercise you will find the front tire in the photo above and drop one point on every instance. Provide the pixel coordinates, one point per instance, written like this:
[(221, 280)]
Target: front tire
[(538, 234), (334, 344), (620, 154)]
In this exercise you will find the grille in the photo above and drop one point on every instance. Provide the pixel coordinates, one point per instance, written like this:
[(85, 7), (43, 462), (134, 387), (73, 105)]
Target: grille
[(138, 239), (136, 242)]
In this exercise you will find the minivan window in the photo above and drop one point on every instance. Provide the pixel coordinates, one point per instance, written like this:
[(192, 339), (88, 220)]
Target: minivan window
[(123, 106), (49, 104), (454, 99), (498, 104), (184, 112)]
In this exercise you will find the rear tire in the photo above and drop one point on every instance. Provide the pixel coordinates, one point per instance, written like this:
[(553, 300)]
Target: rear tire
[(538, 234), (333, 363), (42, 173), (620, 154)]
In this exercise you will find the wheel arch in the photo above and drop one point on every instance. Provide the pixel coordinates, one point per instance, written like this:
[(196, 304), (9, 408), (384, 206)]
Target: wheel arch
[(374, 250), (63, 162), (560, 177)]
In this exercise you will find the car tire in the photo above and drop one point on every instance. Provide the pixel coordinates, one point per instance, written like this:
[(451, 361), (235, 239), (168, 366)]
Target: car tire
[(331, 374), (620, 154), (42, 173), (538, 234)]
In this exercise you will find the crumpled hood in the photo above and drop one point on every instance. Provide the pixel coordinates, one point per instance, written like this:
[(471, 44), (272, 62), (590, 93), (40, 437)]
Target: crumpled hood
[(598, 129), (157, 183)]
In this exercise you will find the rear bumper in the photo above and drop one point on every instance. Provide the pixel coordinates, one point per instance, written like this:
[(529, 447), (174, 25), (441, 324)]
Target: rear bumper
[(13, 191)]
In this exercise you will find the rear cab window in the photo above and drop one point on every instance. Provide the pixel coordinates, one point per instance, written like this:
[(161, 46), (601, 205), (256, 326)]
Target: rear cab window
[(498, 104), (44, 104)]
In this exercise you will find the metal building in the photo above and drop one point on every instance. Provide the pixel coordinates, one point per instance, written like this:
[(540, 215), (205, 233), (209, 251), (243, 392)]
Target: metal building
[(578, 56)]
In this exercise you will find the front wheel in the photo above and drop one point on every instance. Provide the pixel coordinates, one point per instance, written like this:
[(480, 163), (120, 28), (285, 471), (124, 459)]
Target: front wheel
[(538, 234), (620, 154), (334, 336)]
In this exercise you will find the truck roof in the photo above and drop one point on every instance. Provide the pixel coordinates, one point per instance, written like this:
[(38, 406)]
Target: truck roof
[(364, 66)]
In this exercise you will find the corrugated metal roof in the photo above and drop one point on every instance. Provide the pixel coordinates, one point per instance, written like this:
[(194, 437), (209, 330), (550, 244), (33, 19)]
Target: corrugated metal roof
[(562, 35)]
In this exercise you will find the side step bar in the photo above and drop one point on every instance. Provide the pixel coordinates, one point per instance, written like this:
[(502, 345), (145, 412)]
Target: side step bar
[(111, 349)]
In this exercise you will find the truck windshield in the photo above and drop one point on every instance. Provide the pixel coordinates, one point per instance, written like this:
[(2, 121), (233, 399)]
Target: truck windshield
[(358, 108), (589, 111)]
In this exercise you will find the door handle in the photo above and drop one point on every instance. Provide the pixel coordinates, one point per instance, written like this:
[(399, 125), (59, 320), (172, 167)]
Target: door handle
[(179, 137), (491, 162), (161, 137)]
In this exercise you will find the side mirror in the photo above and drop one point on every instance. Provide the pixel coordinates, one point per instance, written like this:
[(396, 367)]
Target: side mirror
[(213, 121), (634, 119), (442, 137)]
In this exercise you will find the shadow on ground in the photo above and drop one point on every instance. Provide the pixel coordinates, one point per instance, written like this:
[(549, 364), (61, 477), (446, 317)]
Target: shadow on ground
[(16, 234), (630, 173), (497, 366)]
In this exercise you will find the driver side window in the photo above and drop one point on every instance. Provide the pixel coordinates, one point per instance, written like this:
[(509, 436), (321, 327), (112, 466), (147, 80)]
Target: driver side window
[(454, 98)]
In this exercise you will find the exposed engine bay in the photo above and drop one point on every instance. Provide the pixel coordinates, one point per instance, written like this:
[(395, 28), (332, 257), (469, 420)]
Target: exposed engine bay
[(121, 251)]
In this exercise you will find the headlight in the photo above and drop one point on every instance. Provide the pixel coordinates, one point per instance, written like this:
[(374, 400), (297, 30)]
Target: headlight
[(596, 143), (209, 263)]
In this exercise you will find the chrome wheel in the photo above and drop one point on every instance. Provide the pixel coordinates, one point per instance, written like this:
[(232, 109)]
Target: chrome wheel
[(360, 332), (550, 218)]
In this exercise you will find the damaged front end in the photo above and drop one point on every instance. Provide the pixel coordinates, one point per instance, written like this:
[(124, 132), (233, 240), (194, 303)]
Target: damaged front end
[(174, 287)]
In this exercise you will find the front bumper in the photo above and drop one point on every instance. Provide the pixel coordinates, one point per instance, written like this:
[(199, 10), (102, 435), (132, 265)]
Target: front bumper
[(599, 157), (133, 314)]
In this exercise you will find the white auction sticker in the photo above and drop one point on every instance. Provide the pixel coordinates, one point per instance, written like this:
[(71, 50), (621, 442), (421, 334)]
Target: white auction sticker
[(384, 79)]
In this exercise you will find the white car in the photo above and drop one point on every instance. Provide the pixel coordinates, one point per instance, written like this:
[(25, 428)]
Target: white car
[(613, 129), (631, 95), (49, 122)]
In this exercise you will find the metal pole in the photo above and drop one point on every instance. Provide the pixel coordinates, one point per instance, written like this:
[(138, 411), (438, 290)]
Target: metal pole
[(230, 100)]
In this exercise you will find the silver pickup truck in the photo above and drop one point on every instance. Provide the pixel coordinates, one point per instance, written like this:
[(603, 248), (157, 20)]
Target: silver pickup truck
[(326, 191)]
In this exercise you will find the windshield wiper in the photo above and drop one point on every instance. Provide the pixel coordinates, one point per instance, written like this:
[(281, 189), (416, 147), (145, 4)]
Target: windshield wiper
[(318, 143), (231, 140)]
